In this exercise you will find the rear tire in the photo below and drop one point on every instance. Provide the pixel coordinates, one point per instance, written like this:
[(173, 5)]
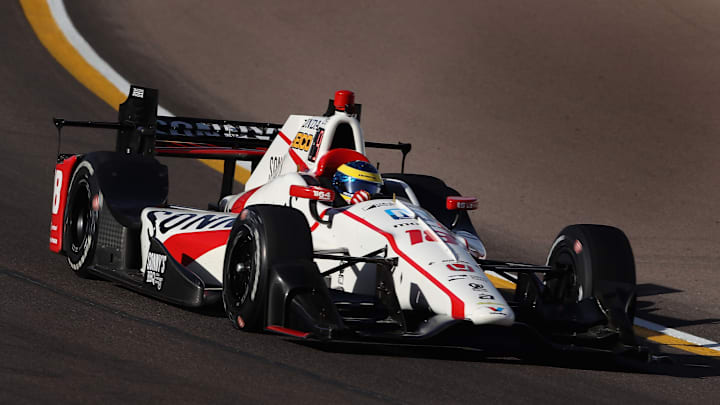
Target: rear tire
[(81, 219), (432, 194), (596, 261), (263, 236)]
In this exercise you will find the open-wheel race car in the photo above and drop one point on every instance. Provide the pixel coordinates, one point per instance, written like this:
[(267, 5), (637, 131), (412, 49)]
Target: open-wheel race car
[(320, 245)]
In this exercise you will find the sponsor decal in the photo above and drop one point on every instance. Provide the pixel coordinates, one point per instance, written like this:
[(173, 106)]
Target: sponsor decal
[(155, 269), (402, 213), (216, 129), (400, 225), (57, 188), (317, 140), (312, 192), (276, 163), (460, 267), (438, 232), (139, 93), (486, 297), (378, 205), (302, 141), (165, 221), (398, 213), (313, 124), (452, 261), (416, 236), (323, 195), (455, 277), (496, 309), (477, 287)]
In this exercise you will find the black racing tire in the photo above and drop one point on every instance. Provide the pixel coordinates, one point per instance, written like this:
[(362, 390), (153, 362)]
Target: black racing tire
[(595, 261), (263, 236), (81, 219), (432, 194)]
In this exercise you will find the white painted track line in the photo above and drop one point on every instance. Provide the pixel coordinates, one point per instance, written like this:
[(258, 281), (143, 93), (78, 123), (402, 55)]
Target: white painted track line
[(57, 8), (696, 340)]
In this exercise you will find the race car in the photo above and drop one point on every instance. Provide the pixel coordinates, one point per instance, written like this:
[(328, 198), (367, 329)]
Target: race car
[(322, 246)]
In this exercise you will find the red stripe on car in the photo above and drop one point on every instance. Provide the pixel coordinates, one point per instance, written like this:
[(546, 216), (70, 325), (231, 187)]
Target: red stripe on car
[(284, 137), (287, 331), (188, 247), (295, 157), (63, 175), (458, 306), (239, 204)]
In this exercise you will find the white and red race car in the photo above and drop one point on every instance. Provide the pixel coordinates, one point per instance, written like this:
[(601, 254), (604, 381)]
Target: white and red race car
[(288, 255)]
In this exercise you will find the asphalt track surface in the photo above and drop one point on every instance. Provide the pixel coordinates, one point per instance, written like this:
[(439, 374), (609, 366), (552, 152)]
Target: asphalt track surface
[(552, 114)]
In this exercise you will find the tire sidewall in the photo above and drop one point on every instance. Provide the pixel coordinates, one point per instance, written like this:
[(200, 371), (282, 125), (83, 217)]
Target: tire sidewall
[(252, 311), (564, 248), (83, 189), (279, 235)]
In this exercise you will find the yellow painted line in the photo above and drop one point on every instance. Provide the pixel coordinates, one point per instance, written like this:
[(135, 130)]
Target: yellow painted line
[(241, 174), (51, 36), (671, 341), (41, 19)]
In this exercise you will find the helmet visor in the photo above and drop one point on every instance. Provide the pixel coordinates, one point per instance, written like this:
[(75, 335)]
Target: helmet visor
[(354, 185)]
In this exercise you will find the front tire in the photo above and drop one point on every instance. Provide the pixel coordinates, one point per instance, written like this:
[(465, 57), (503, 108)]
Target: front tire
[(263, 236), (595, 261)]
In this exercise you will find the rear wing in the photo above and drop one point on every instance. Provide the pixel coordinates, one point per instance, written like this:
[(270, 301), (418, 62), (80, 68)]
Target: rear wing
[(141, 131), (185, 136)]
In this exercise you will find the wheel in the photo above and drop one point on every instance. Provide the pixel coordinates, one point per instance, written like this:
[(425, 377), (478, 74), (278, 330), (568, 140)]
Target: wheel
[(263, 236), (81, 218), (595, 261)]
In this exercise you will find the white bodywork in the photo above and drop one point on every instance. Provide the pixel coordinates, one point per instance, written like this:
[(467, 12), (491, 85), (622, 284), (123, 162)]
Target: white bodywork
[(435, 268), (197, 239)]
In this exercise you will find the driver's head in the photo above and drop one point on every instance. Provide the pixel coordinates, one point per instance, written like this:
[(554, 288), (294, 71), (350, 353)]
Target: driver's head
[(353, 177)]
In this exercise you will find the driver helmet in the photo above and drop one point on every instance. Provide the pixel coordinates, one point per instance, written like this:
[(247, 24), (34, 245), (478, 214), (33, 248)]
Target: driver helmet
[(355, 176)]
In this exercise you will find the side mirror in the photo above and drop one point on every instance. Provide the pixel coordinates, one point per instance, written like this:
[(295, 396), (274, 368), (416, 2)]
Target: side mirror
[(312, 193), (461, 203)]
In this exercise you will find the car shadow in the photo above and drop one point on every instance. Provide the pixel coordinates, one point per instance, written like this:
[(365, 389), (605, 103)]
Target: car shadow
[(675, 365), (649, 310)]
